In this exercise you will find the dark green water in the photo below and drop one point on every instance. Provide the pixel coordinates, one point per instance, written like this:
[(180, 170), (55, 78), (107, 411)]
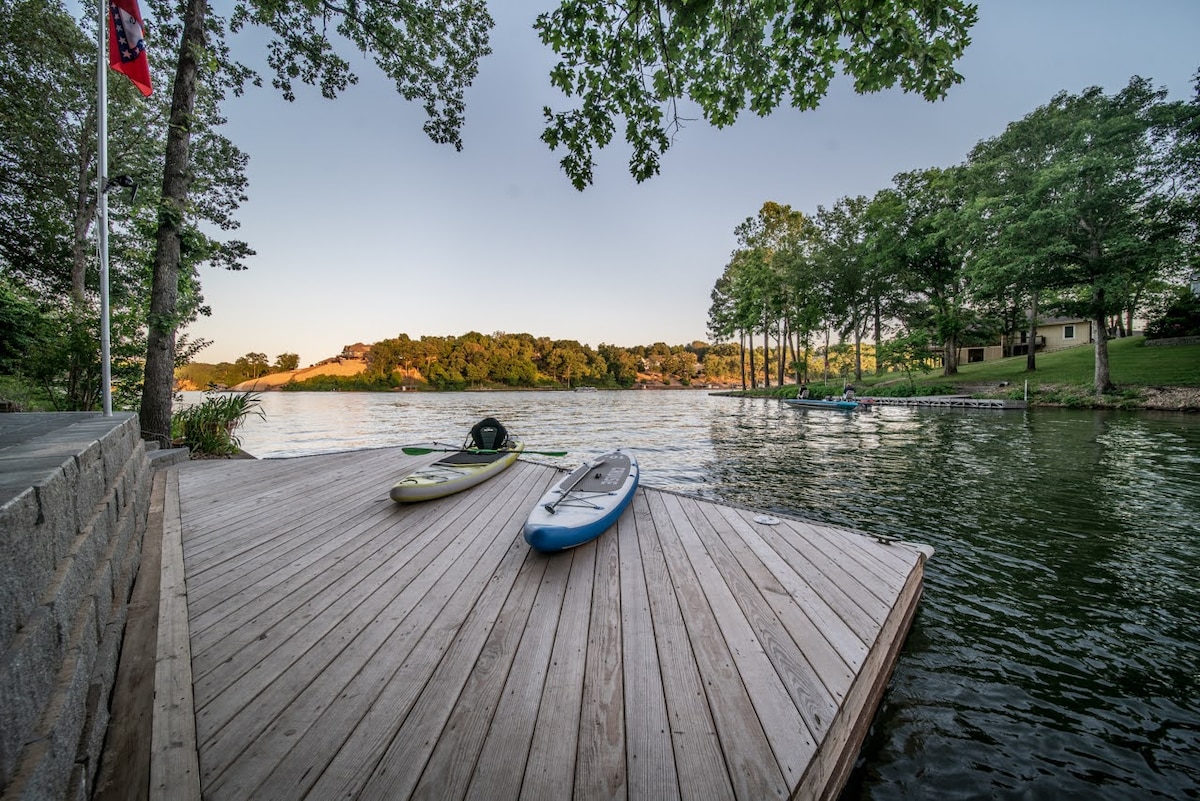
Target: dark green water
[(1056, 651)]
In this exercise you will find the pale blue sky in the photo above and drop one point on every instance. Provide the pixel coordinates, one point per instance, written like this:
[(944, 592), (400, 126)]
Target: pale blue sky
[(365, 229)]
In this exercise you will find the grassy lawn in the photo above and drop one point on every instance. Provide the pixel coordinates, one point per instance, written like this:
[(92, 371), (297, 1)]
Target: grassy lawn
[(1130, 362), (1062, 378)]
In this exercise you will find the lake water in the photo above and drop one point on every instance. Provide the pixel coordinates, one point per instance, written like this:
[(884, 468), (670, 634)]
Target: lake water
[(1056, 651)]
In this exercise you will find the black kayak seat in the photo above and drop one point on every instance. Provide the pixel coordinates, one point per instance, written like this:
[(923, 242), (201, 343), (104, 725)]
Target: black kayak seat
[(488, 434)]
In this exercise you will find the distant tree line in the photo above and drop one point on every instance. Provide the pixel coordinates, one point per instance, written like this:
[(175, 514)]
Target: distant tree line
[(496, 360), (1086, 207), (501, 360)]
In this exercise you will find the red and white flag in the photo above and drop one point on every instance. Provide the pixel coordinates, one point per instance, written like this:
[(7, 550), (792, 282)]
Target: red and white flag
[(127, 43)]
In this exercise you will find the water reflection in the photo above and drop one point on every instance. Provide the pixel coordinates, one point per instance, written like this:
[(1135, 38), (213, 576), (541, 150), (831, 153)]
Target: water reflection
[(1054, 654), (1059, 625)]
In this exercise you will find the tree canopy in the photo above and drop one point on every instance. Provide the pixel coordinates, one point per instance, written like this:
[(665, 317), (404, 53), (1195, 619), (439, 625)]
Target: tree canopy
[(48, 199), (1085, 207), (655, 64), (1074, 198)]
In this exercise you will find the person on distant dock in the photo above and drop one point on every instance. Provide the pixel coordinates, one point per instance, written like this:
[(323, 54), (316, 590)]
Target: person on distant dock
[(848, 392), (803, 392)]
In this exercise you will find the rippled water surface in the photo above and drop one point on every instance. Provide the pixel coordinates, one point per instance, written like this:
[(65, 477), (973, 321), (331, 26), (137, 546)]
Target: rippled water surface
[(1056, 652)]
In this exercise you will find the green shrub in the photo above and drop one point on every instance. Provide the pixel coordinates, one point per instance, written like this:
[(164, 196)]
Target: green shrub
[(18, 394), (208, 427), (1180, 318), (1083, 396), (909, 390)]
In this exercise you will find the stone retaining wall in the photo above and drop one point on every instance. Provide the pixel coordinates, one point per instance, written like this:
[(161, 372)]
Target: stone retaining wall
[(1167, 342), (71, 526)]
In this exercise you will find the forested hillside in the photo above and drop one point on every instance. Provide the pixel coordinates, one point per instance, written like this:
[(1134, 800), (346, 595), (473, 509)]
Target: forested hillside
[(476, 360)]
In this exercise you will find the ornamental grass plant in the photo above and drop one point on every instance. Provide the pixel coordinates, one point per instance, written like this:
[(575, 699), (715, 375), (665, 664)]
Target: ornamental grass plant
[(208, 427)]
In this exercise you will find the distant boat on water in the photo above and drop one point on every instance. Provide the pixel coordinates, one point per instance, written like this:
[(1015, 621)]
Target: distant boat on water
[(817, 403)]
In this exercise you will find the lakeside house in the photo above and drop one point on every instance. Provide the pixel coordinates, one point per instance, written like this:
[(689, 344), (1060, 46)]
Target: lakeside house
[(1054, 333), (357, 351)]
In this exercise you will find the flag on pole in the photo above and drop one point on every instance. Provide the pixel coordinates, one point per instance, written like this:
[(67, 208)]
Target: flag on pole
[(127, 43)]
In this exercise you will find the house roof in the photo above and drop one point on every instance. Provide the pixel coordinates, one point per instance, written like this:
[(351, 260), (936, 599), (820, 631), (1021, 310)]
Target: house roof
[(1061, 320)]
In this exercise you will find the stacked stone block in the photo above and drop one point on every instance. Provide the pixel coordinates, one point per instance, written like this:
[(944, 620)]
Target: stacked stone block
[(74, 496)]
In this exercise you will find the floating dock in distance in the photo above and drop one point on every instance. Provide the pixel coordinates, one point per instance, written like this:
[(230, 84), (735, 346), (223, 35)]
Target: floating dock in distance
[(341, 645), (951, 401)]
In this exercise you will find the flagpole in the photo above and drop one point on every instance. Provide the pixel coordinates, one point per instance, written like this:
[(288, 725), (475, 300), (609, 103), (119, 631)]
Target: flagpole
[(102, 201)]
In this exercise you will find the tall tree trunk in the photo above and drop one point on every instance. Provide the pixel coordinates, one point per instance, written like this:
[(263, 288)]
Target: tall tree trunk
[(1031, 355), (878, 336), (753, 367), (1103, 380), (155, 413), (766, 353), (784, 341), (950, 356), (857, 349), (85, 210), (794, 347), (826, 378), (83, 366), (742, 356)]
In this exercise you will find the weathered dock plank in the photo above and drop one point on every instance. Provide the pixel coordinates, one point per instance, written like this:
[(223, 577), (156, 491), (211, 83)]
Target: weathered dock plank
[(818, 631), (173, 752), (346, 646), (379, 699), (511, 728), (699, 762), (335, 647), (801, 682), (550, 769), (753, 768), (650, 762), (600, 763)]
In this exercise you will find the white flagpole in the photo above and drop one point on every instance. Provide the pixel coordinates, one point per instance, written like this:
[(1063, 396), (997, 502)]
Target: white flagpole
[(102, 201)]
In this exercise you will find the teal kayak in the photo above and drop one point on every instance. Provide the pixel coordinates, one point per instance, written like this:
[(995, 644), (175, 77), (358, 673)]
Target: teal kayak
[(844, 405)]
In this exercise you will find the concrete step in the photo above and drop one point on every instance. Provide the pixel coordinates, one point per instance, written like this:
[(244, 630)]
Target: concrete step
[(165, 457)]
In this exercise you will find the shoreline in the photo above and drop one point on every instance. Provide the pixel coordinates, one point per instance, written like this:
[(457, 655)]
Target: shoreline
[(1151, 399)]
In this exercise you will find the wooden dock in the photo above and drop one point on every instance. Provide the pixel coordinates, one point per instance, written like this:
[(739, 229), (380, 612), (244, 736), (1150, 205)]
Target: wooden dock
[(947, 401), (329, 643)]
